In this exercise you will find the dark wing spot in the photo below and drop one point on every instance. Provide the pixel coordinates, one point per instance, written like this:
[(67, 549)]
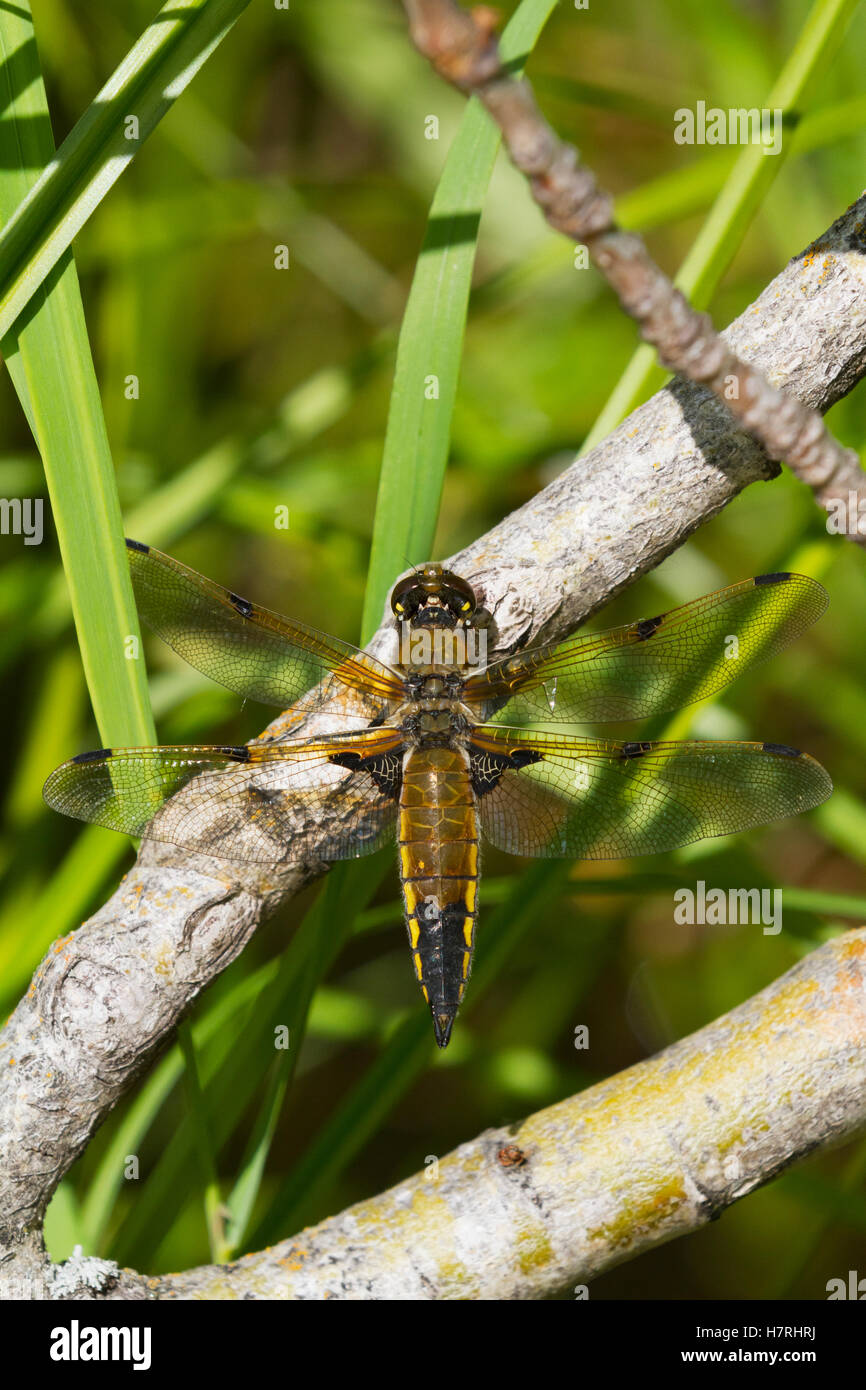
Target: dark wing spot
[(782, 748), (522, 757), (351, 760), (778, 578), (239, 752), (486, 768), (385, 769), (243, 605), (93, 757), (646, 627), (635, 750), (137, 545)]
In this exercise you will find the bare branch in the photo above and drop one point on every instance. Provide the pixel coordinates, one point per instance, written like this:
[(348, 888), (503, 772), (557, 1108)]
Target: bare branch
[(462, 47), (552, 1202)]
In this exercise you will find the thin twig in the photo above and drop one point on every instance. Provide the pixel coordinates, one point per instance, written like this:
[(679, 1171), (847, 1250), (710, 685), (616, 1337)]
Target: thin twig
[(462, 47)]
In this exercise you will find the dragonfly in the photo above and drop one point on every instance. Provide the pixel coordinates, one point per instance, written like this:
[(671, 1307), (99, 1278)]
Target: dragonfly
[(438, 751)]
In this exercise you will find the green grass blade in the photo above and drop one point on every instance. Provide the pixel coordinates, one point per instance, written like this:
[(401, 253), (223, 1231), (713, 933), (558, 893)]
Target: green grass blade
[(95, 153), (51, 367), (744, 190), (431, 341), (204, 1146), (242, 1197)]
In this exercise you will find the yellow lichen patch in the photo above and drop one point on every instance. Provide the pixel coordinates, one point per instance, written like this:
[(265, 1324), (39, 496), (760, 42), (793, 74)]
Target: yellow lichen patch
[(646, 1215), (163, 963), (534, 1250)]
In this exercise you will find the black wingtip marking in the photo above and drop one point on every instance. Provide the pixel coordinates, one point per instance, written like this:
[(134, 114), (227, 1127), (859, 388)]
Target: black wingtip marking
[(243, 605), (96, 756), (647, 626), (779, 578), (137, 545), (782, 748)]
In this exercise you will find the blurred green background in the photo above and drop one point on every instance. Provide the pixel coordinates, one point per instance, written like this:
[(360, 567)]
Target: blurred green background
[(260, 389)]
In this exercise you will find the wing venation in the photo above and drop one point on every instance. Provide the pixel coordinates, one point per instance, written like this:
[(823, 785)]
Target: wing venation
[(551, 796)]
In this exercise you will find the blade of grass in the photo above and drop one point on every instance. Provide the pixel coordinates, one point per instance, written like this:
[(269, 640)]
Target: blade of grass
[(214, 1213), (431, 339), (145, 85), (744, 190), (51, 367)]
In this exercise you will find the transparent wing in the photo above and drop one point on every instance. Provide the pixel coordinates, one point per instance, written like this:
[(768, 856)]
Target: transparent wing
[(271, 803), (656, 665), (550, 796), (259, 654)]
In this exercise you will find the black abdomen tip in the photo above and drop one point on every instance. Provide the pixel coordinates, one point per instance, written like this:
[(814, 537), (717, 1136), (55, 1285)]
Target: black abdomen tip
[(442, 1025)]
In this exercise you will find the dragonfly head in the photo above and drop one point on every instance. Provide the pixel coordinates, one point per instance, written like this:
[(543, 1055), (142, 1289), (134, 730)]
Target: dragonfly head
[(433, 597)]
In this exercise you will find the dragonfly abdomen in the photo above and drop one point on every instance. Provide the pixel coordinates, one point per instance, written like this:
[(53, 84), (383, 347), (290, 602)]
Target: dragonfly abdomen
[(438, 843)]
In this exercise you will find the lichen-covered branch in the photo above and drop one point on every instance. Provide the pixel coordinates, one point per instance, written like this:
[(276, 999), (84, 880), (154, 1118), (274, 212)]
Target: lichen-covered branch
[(108, 997), (462, 46), (550, 1203)]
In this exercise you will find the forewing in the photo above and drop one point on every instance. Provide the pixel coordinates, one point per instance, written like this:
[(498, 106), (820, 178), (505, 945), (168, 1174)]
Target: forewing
[(271, 803), (653, 666), (598, 799), (259, 654)]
